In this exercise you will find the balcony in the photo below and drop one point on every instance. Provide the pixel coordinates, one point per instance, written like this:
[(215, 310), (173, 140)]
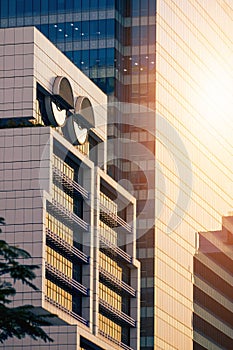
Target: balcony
[(116, 314), (122, 345), (68, 215), (108, 213), (118, 284), (69, 282), (106, 244), (69, 183), (71, 251), (107, 232), (69, 312)]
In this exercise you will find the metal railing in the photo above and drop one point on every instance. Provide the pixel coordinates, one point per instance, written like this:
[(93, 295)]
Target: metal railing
[(62, 244), (122, 345), (68, 281), (117, 313), (120, 284), (70, 182), (69, 312), (105, 243), (70, 215), (115, 218)]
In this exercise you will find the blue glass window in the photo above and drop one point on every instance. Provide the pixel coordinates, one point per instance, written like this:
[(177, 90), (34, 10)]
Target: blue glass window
[(110, 29), (94, 4), (85, 30), (110, 57), (135, 8), (53, 32), (60, 32), (85, 62), (76, 30), (44, 7), (45, 29), (70, 55), (19, 7), (102, 28), (102, 4), (28, 7), (36, 8), (110, 3), (68, 34), (77, 5), (61, 5), (102, 57), (52, 6), (85, 5), (94, 60), (69, 5), (94, 29), (4, 9), (77, 58), (12, 7)]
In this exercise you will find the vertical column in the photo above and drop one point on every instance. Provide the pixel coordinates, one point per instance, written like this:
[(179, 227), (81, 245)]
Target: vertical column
[(96, 254), (88, 216)]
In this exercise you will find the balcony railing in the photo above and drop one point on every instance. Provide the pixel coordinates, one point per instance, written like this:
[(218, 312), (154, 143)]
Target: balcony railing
[(70, 215), (71, 283), (122, 345), (61, 244), (109, 213), (104, 243), (120, 315), (69, 312), (121, 285), (108, 203), (107, 232), (69, 182)]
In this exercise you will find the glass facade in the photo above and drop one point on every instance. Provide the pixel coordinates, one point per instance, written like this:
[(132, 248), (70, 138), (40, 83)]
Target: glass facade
[(83, 30), (112, 42), (193, 78)]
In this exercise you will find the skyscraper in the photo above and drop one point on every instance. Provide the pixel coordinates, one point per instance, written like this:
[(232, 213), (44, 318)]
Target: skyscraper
[(174, 59)]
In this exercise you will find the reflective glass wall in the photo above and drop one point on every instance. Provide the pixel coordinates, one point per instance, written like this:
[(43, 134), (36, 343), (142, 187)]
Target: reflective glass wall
[(194, 88), (83, 30), (112, 42)]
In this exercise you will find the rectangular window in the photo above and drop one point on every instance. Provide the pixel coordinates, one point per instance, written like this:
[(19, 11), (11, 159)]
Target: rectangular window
[(12, 7)]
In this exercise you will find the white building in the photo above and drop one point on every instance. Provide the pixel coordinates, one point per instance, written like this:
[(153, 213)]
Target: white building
[(76, 222)]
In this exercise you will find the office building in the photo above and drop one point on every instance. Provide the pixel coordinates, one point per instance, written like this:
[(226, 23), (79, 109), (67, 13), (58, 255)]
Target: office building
[(213, 289), (113, 43), (172, 60), (77, 223)]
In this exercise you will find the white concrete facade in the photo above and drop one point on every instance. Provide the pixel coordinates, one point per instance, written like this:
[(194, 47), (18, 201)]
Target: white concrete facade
[(27, 177)]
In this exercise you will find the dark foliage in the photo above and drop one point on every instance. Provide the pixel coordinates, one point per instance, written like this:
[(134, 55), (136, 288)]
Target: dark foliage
[(23, 320)]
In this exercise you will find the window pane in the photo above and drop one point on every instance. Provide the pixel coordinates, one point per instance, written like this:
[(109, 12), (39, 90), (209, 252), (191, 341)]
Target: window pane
[(4, 9), (52, 6), (19, 7), (44, 7), (85, 5), (36, 7), (94, 4), (12, 7)]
